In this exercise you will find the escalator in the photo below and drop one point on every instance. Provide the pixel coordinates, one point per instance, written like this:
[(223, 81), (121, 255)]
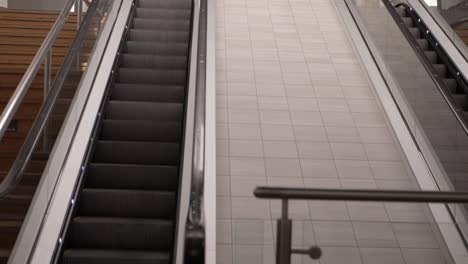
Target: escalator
[(126, 208), (437, 61)]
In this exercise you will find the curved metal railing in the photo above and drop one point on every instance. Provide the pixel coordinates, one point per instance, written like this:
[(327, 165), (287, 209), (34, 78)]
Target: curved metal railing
[(43, 56)]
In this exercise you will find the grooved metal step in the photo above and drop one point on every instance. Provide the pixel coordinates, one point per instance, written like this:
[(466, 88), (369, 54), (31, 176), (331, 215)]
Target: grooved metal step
[(128, 110), (152, 76), (154, 61), (93, 256), (131, 152), (121, 233), (163, 13), (170, 24), (158, 35), (156, 48), (148, 93), (173, 4), (132, 176), (127, 203), (141, 130)]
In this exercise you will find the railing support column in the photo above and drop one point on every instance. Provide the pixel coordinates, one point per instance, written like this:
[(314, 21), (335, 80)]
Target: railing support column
[(47, 83), (284, 236)]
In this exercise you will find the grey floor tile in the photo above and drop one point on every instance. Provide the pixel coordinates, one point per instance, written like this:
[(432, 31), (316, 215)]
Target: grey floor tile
[(382, 256), (274, 117), (332, 105), (223, 231), (244, 186), (382, 152), (367, 211), (273, 103), (222, 166), (252, 232), (245, 131), (280, 149), (243, 116), (317, 168), (252, 254), (353, 169), (242, 166), (306, 118), (423, 256), (224, 254), (413, 235), (329, 92), (389, 170), (348, 151), (245, 148), (375, 234), (340, 255), (223, 207), (223, 185), (363, 106), (314, 150), (310, 133), (329, 233), (375, 135), (368, 119), (250, 208), (277, 132), (328, 211), (302, 104), (337, 119), (222, 148), (283, 167), (342, 134)]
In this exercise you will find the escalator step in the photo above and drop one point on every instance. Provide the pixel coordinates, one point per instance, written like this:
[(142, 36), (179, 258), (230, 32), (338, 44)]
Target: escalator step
[(174, 4), (161, 24), (432, 56), (441, 69), (127, 110), (121, 233), (154, 61), (130, 152), (461, 99), (415, 32), (158, 35), (90, 256), (141, 130), (148, 47), (151, 76), (130, 176), (127, 203), (163, 13), (401, 11), (451, 84), (148, 93), (408, 21), (423, 43)]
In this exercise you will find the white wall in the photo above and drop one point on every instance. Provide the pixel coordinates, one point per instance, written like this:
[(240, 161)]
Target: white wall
[(36, 4), (3, 3)]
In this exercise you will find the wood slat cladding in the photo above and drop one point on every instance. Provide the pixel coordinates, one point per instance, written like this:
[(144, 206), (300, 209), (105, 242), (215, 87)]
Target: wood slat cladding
[(21, 34), (462, 32)]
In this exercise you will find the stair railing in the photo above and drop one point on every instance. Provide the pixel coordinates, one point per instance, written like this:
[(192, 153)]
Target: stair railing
[(284, 248), (43, 57)]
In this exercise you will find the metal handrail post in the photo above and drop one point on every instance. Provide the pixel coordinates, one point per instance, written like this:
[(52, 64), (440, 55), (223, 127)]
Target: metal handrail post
[(47, 83), (284, 235), (79, 12)]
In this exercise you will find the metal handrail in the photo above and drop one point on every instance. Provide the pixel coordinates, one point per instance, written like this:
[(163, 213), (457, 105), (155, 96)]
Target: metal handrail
[(454, 108), (195, 230), (284, 247), (361, 195), (43, 55)]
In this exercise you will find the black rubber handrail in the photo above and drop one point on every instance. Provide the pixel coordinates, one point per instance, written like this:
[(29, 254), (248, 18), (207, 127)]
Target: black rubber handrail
[(440, 85), (195, 228)]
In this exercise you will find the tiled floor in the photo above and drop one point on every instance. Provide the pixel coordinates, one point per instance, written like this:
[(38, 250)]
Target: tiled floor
[(294, 108)]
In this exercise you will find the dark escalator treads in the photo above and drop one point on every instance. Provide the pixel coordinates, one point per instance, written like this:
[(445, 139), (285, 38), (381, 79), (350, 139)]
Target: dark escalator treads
[(93, 256), (126, 208)]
